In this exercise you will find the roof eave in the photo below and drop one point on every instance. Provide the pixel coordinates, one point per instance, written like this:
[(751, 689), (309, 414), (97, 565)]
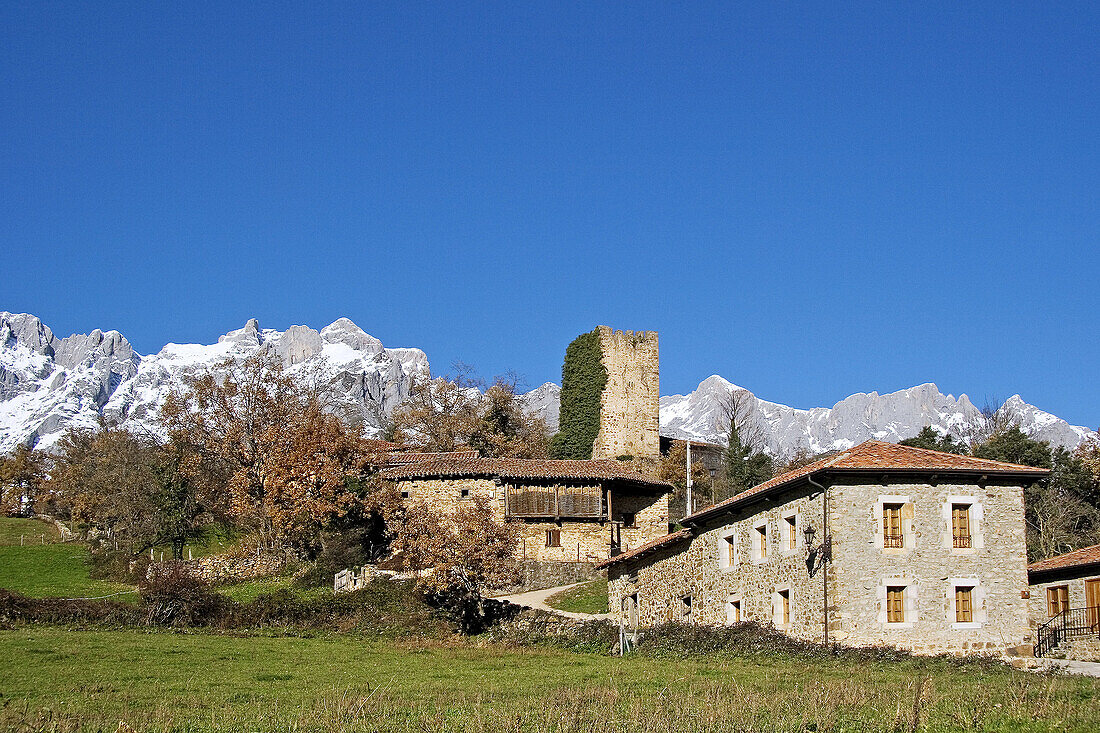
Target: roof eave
[(705, 514)]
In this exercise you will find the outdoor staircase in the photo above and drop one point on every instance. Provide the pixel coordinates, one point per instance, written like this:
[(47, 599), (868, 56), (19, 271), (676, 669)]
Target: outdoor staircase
[(1071, 624)]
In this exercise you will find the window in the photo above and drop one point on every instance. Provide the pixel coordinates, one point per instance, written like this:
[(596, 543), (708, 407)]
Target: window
[(762, 540), (792, 532), (685, 610), (727, 547), (630, 519), (895, 604), (733, 611), (465, 493), (404, 494), (630, 610), (964, 604), (1057, 599), (785, 607), (960, 525), (553, 538), (891, 526)]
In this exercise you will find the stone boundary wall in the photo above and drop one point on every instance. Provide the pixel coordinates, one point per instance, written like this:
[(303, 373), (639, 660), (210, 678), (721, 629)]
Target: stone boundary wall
[(226, 568), (538, 575)]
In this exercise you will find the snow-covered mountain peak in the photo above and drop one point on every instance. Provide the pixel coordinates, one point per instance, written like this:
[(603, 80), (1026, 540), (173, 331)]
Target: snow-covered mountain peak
[(891, 416), (48, 384), (344, 331), (247, 335)]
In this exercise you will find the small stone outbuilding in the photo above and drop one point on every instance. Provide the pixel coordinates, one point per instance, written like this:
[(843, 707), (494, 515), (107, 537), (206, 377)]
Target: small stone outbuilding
[(879, 544), (567, 511), (1065, 603)]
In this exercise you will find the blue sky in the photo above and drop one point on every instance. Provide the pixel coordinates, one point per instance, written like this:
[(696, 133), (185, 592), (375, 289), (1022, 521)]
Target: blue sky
[(811, 201)]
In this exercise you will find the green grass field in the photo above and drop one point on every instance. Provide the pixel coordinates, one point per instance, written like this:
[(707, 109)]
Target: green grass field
[(52, 679), (588, 598), (15, 532), (59, 570)]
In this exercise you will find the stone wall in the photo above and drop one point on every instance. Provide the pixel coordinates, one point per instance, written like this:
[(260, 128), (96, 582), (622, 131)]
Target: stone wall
[(650, 517), (928, 567), (581, 540), (1083, 650), (629, 403), (233, 567), (537, 575), (699, 568), (1037, 605)]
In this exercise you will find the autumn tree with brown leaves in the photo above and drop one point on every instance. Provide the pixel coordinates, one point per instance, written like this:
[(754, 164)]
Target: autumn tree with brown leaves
[(22, 474), (673, 469), (451, 413), (127, 489), (458, 555), (290, 468)]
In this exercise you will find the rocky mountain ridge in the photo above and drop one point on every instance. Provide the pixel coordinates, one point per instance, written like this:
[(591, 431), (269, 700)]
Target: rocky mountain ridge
[(48, 384), (863, 416)]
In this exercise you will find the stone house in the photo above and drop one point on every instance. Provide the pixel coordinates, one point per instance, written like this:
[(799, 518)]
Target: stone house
[(879, 544), (1065, 602), (566, 511)]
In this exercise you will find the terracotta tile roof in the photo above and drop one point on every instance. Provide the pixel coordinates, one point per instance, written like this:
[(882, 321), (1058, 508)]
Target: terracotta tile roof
[(647, 548), (877, 456), (381, 446), (397, 458), (519, 468), (1077, 558)]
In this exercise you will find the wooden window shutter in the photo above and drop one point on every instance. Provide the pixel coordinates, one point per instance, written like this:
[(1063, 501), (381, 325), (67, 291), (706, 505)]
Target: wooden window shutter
[(964, 610), (895, 604)]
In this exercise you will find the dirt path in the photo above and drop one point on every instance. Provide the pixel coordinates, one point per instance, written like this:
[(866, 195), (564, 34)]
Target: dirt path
[(537, 599)]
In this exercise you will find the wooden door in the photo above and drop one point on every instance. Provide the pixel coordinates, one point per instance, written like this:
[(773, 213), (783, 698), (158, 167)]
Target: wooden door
[(1092, 602)]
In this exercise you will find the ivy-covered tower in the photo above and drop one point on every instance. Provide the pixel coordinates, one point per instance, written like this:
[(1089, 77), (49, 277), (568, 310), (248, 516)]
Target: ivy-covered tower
[(609, 396)]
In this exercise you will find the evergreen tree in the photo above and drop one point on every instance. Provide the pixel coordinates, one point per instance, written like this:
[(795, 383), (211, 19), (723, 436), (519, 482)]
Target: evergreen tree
[(929, 438), (1062, 510), (745, 467)]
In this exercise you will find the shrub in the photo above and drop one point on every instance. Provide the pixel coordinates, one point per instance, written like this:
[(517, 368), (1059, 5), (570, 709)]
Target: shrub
[(117, 565), (18, 609), (351, 548), (174, 597)]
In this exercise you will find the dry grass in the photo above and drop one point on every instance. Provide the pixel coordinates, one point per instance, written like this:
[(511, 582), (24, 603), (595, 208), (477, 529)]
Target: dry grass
[(51, 679)]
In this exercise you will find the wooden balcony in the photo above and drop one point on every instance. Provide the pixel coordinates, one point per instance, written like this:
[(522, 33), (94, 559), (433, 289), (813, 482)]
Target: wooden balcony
[(555, 502)]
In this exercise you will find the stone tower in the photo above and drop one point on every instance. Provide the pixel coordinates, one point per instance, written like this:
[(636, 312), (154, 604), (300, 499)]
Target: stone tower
[(629, 402)]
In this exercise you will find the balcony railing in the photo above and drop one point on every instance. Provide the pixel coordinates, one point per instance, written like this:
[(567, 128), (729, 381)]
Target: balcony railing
[(961, 541), (893, 540)]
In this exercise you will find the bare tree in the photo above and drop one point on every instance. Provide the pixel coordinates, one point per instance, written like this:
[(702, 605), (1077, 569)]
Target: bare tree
[(745, 459)]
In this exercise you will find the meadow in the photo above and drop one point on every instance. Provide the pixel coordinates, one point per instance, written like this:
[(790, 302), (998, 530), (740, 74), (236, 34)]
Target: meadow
[(406, 677), (89, 680)]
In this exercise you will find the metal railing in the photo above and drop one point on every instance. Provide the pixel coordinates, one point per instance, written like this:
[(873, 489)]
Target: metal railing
[(961, 541), (893, 540), (1069, 624)]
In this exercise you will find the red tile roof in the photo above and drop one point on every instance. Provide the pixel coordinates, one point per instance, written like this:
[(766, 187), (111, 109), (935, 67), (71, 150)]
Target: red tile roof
[(647, 548), (520, 468), (877, 456), (1077, 558), (393, 459)]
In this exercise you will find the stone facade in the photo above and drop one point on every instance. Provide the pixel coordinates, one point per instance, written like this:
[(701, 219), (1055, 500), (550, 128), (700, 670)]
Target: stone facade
[(629, 404), (930, 568), (750, 563), (575, 540), (1075, 590)]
